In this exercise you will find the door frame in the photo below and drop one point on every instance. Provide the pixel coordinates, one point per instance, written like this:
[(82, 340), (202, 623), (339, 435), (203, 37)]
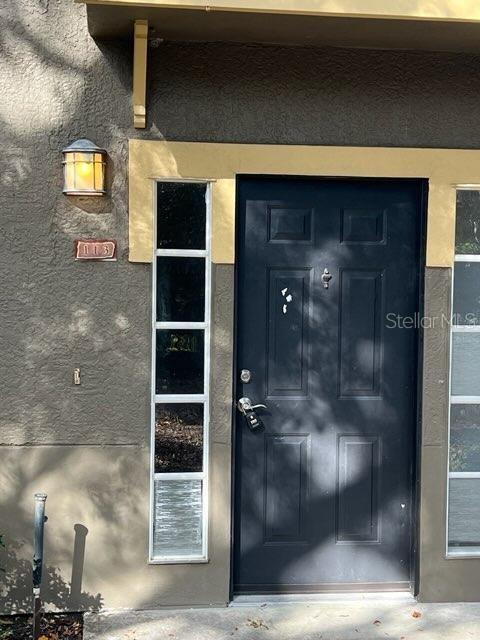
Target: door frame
[(417, 431), (446, 171)]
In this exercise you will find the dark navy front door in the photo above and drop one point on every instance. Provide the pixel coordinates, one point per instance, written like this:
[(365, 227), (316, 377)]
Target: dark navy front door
[(328, 278)]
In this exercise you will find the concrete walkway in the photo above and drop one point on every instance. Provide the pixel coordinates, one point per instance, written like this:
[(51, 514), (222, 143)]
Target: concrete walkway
[(325, 620)]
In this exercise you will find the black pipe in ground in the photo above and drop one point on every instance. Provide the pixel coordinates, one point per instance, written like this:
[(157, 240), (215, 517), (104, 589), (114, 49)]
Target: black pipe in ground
[(38, 528)]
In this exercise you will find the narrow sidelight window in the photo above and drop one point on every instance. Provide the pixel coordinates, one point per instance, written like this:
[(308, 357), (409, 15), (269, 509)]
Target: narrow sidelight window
[(180, 373), (464, 430)]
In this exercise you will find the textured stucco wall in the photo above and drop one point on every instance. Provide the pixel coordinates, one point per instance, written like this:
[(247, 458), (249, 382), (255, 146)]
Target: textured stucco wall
[(441, 579), (88, 445)]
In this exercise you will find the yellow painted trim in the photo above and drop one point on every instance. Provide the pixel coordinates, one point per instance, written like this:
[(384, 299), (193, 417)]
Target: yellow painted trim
[(221, 163), (140, 46), (444, 10)]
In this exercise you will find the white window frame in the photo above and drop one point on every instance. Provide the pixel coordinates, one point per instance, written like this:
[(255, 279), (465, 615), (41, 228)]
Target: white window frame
[(203, 398), (463, 552)]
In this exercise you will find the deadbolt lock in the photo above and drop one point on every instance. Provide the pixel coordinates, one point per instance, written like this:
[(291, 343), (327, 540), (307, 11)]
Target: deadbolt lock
[(245, 376)]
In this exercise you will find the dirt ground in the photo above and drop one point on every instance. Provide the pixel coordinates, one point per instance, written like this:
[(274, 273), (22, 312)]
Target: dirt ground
[(53, 627)]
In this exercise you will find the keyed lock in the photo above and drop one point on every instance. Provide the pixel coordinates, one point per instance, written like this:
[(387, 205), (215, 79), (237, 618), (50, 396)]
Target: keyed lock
[(244, 405), (326, 277)]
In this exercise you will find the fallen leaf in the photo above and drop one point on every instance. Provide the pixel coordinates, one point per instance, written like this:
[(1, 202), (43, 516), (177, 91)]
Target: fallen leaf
[(257, 624), (416, 614)]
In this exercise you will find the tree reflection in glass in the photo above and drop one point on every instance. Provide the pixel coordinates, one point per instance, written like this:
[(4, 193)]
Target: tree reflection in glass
[(178, 438)]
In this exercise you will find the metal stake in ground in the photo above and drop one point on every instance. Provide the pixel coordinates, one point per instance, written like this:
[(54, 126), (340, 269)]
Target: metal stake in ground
[(38, 523)]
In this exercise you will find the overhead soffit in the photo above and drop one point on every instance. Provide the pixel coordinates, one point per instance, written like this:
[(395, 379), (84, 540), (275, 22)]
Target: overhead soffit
[(410, 9), (443, 25)]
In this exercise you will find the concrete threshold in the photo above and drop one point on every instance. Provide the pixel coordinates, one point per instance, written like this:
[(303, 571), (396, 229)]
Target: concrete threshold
[(304, 598), (367, 618)]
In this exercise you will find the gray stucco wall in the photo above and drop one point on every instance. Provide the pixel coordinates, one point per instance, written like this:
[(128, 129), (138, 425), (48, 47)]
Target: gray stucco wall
[(88, 445)]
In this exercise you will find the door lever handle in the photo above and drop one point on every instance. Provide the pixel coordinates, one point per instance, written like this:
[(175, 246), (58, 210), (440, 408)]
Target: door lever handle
[(245, 404), (247, 409)]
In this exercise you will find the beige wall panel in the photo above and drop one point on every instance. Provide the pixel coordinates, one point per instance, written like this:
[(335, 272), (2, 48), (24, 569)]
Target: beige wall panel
[(105, 491), (441, 225), (223, 221), (222, 162)]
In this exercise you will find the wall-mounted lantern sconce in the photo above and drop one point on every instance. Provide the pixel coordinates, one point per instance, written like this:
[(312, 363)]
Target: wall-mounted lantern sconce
[(84, 169)]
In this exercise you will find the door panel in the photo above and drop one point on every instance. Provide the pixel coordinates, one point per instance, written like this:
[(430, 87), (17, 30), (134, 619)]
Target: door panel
[(286, 497), (359, 334), (357, 495), (323, 493), (287, 326)]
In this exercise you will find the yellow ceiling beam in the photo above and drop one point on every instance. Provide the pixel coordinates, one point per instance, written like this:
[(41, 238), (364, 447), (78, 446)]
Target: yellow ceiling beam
[(441, 10), (140, 45)]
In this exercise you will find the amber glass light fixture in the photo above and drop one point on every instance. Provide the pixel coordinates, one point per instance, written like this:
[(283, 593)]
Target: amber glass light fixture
[(84, 169)]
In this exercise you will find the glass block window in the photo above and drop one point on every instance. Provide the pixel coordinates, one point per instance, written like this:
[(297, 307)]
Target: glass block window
[(464, 436), (180, 372)]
